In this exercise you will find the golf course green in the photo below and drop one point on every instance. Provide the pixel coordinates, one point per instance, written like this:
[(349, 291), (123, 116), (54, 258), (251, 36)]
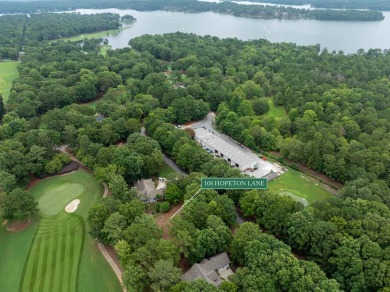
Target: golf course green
[(57, 253)]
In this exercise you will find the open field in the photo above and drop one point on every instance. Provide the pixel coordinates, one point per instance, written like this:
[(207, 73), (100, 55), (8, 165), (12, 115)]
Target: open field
[(94, 35), (299, 184), (57, 252), (104, 49), (8, 73), (277, 111), (92, 104)]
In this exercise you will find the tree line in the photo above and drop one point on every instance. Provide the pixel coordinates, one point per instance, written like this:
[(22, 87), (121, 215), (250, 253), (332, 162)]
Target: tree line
[(18, 31), (194, 6)]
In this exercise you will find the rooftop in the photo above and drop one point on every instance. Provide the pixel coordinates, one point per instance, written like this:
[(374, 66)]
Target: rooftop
[(147, 189), (207, 270), (231, 151)]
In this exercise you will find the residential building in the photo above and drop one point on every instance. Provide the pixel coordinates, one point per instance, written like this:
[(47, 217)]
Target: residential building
[(147, 191), (213, 270)]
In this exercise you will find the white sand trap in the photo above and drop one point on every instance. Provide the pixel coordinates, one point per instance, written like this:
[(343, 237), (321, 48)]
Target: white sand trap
[(72, 206)]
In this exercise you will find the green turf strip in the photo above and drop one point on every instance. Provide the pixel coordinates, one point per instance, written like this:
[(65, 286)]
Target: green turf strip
[(56, 253), (52, 266)]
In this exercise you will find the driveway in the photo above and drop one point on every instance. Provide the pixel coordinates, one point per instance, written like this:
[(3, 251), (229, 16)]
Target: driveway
[(167, 160)]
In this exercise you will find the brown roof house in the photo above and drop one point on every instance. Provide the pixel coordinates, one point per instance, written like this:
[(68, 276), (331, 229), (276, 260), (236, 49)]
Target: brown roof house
[(214, 270), (148, 192)]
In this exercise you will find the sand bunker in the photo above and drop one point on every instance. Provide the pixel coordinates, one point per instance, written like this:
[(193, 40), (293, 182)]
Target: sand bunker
[(72, 206)]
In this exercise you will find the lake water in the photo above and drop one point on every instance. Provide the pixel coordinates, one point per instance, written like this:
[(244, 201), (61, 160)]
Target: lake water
[(348, 36)]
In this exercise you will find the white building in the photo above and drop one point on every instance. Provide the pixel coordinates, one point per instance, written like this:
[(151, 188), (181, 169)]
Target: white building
[(231, 154)]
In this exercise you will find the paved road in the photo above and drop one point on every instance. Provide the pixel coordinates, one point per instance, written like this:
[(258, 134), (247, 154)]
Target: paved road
[(167, 160), (239, 219), (207, 123), (173, 165)]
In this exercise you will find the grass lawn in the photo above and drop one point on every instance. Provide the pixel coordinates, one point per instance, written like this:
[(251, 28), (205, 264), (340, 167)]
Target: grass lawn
[(94, 35), (300, 185), (56, 253), (8, 73), (104, 49), (92, 104), (276, 111), (165, 171)]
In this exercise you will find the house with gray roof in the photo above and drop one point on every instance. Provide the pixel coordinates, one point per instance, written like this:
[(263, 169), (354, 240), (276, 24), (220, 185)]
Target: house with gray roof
[(147, 191), (213, 270)]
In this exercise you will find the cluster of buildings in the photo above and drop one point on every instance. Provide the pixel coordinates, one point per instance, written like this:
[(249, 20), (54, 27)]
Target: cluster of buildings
[(220, 148)]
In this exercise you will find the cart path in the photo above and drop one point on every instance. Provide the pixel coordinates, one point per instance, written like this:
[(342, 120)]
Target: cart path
[(114, 265)]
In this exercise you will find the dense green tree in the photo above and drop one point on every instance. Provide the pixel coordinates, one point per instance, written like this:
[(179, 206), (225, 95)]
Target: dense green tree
[(260, 106), (183, 231), (2, 109), (131, 210), (134, 278), (113, 228), (119, 187), (194, 286), (198, 214), (7, 181), (223, 207), (164, 275), (172, 194), (213, 239), (17, 206), (123, 250), (143, 229), (246, 233), (97, 215)]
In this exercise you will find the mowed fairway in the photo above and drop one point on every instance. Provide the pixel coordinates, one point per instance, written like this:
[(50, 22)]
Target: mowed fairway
[(62, 249), (8, 73), (53, 262), (300, 185), (14, 248)]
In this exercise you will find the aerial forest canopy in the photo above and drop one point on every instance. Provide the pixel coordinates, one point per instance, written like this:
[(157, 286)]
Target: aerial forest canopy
[(18, 31), (193, 6), (337, 106), (335, 118)]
